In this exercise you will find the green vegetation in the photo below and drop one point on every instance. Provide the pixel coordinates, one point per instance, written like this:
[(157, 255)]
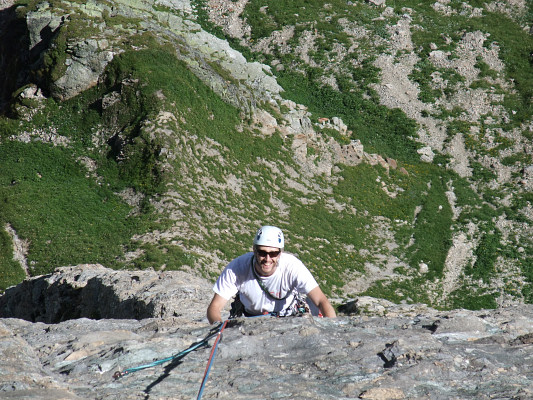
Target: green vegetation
[(46, 195), (12, 272), (397, 291), (390, 133), (423, 73), (472, 298), (65, 225), (486, 253), (518, 158), (484, 69), (171, 257), (50, 203), (266, 18), (480, 173), (431, 234), (381, 129), (164, 135)]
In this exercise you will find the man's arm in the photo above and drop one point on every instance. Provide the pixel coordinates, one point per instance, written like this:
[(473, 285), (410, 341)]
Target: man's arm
[(320, 300), (215, 309)]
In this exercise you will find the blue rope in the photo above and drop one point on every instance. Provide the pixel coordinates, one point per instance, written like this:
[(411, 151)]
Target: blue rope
[(211, 358), (181, 354), (215, 332)]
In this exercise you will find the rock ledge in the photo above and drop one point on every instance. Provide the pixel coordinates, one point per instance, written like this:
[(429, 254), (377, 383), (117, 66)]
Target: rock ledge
[(392, 352)]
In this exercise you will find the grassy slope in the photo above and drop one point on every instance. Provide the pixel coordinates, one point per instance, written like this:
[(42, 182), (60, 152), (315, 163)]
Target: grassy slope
[(64, 222), (388, 131), (66, 218)]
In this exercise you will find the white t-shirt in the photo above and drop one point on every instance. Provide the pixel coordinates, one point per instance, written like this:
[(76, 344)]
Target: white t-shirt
[(291, 275)]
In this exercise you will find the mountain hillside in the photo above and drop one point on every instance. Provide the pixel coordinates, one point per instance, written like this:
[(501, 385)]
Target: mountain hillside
[(390, 140)]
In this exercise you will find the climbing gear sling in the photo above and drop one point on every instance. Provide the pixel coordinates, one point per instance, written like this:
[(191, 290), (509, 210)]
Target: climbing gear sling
[(263, 287)]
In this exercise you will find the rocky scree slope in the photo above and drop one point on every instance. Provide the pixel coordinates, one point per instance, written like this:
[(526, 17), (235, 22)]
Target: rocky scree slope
[(437, 212), (64, 335)]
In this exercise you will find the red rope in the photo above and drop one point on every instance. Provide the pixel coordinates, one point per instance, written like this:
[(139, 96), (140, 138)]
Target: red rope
[(211, 357)]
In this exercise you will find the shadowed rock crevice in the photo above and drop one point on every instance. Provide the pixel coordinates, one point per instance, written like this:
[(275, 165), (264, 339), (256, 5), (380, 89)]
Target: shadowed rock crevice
[(38, 301), (14, 57)]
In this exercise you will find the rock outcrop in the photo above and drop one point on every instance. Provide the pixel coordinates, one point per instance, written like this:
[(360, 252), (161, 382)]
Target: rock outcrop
[(375, 350), (93, 291)]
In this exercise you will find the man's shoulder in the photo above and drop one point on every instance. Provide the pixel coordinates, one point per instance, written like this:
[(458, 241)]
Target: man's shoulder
[(295, 270), (291, 263), (290, 258), (241, 263)]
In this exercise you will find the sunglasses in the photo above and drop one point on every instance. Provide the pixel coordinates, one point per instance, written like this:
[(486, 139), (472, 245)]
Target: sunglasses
[(272, 254)]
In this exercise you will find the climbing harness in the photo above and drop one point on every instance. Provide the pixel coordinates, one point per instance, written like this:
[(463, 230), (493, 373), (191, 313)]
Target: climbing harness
[(298, 307)]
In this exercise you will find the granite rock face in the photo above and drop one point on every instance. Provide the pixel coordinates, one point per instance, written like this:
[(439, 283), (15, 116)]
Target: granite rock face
[(376, 350)]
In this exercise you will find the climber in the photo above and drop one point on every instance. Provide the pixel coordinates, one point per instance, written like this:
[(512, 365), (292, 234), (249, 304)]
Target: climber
[(267, 280)]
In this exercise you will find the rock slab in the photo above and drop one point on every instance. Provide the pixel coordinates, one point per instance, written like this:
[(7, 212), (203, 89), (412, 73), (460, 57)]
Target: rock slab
[(400, 352)]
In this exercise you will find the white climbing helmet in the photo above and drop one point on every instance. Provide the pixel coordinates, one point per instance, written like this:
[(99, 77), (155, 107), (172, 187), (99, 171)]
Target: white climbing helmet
[(269, 236)]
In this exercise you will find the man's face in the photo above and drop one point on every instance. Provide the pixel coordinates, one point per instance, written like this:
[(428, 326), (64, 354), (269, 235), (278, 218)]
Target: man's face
[(266, 260)]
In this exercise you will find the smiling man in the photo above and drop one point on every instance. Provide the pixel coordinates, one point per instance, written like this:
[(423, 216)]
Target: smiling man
[(267, 280)]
